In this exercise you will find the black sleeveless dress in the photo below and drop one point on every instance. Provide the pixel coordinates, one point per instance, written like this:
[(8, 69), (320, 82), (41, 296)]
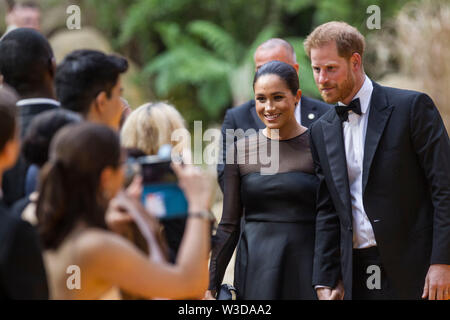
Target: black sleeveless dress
[(276, 246)]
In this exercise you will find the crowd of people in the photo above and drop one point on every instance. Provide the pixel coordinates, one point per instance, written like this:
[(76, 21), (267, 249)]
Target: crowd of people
[(360, 184)]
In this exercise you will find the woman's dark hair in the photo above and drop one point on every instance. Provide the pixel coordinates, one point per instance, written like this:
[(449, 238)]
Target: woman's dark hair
[(282, 70), (69, 191), (41, 131), (8, 114)]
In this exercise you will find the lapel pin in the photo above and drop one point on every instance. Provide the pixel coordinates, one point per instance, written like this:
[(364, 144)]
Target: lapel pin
[(311, 116)]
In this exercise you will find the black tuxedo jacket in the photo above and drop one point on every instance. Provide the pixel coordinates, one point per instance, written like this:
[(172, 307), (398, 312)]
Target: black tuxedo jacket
[(14, 179), (406, 191), (245, 117), (28, 112), (22, 272)]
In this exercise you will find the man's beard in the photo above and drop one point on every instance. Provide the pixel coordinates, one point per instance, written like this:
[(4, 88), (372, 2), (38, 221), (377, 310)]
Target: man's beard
[(343, 90)]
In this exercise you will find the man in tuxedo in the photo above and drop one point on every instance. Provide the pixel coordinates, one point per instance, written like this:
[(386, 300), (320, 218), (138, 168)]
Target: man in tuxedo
[(22, 273), (89, 82), (244, 117), (27, 64), (382, 156)]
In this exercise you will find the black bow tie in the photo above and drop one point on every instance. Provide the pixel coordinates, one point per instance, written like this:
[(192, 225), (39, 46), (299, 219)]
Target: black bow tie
[(342, 111)]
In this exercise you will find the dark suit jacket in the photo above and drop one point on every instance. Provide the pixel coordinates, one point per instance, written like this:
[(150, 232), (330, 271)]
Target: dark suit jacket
[(244, 117), (406, 191), (22, 273), (14, 179)]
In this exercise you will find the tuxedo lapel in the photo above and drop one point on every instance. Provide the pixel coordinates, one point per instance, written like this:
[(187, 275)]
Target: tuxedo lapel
[(308, 113), (379, 114), (334, 144)]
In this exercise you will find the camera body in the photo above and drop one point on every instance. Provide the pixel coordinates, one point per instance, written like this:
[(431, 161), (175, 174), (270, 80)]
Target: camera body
[(161, 195)]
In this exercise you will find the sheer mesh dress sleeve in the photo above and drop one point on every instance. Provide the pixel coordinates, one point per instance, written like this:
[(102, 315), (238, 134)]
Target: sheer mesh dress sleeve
[(226, 238)]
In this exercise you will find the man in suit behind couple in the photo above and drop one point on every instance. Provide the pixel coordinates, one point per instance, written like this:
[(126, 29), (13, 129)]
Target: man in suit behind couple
[(382, 156), (244, 117)]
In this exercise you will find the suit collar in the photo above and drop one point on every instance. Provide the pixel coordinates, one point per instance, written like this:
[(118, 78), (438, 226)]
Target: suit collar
[(379, 113), (335, 149), (308, 112)]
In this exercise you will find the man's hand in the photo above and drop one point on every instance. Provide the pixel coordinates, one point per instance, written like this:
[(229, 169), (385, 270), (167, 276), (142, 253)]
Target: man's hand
[(331, 294), (437, 283)]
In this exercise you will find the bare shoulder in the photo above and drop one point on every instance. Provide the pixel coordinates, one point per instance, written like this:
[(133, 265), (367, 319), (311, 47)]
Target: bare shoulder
[(97, 244)]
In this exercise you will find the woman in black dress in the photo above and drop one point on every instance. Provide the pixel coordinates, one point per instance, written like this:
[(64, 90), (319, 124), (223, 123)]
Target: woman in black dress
[(277, 200)]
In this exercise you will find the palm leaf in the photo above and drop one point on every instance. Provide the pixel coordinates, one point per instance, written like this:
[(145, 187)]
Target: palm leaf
[(223, 44)]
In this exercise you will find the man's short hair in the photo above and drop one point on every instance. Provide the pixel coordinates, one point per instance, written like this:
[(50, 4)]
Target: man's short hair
[(347, 38), (25, 58), (83, 75), (8, 100), (278, 42), (29, 4)]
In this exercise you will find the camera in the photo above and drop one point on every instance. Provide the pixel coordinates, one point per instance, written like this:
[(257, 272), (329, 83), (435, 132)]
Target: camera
[(161, 195)]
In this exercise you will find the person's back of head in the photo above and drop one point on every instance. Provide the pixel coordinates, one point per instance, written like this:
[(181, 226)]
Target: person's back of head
[(88, 82), (27, 63), (9, 142), (41, 132), (83, 173), (152, 125)]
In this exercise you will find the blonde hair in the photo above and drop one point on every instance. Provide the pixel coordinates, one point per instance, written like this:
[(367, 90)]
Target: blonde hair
[(151, 125), (347, 38)]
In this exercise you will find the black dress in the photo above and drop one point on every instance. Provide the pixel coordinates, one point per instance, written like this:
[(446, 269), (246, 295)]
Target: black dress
[(275, 253)]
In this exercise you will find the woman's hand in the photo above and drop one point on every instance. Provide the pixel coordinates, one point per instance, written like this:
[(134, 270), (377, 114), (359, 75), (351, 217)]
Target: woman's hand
[(209, 295), (196, 185), (117, 217)]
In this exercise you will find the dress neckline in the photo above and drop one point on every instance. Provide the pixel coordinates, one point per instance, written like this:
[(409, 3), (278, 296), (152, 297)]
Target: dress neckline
[(303, 133)]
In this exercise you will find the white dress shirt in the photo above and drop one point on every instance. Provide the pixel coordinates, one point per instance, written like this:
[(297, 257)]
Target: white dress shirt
[(298, 114), (354, 139), (37, 101)]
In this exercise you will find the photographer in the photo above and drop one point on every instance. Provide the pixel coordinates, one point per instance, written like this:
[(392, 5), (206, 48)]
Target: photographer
[(84, 173)]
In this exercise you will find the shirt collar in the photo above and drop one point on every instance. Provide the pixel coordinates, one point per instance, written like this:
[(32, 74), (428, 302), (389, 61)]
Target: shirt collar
[(298, 111), (32, 101), (364, 94)]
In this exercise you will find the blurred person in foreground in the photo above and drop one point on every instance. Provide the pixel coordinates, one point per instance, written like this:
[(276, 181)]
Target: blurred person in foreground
[(89, 82), (245, 116), (27, 64), (22, 273), (35, 149), (148, 128), (382, 156), (84, 173), (126, 111)]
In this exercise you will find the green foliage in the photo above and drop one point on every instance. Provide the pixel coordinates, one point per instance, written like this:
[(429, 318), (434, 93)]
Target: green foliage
[(204, 56), (194, 51)]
